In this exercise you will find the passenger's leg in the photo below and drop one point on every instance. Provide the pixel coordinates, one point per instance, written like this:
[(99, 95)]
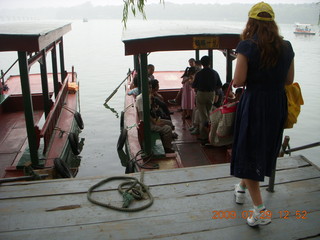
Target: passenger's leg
[(202, 114), (165, 134)]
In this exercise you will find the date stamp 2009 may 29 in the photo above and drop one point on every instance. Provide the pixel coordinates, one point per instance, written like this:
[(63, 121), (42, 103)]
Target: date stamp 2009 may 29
[(283, 214)]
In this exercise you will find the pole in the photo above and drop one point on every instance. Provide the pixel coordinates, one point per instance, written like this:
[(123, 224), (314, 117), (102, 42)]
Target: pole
[(28, 108), (146, 103), (114, 91), (285, 144)]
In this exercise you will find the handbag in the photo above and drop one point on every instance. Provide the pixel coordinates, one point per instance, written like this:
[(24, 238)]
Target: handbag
[(222, 122), (294, 100)]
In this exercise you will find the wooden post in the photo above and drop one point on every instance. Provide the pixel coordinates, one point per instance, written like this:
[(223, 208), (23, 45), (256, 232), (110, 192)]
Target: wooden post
[(55, 71), (273, 173), (137, 68), (62, 68), (210, 54), (28, 108), (229, 66), (44, 83), (197, 55), (146, 103)]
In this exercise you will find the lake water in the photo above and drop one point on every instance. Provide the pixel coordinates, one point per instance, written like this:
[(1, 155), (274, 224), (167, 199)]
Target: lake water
[(96, 51)]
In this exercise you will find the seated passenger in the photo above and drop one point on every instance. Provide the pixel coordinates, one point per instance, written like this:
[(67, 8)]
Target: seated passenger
[(225, 89), (134, 87), (237, 95), (157, 125), (158, 100)]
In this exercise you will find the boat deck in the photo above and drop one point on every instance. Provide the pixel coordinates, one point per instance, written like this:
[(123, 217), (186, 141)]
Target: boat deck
[(186, 203), (13, 138), (189, 151), (13, 134)]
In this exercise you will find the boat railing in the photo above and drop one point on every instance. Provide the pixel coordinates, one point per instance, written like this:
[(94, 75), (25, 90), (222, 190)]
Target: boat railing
[(53, 116)]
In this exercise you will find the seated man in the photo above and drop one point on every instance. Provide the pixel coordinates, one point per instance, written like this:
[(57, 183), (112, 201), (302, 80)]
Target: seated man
[(134, 87), (157, 99), (157, 125)]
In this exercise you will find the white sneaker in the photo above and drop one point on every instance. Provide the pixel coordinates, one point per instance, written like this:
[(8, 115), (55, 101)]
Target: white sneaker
[(261, 218), (240, 194)]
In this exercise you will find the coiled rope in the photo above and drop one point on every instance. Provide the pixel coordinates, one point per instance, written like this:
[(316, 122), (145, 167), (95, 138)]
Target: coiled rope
[(136, 191)]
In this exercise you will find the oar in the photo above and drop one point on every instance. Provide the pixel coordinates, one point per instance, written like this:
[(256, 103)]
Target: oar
[(114, 92)]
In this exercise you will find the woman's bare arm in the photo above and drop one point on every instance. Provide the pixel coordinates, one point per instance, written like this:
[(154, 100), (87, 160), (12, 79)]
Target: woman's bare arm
[(240, 74), (290, 76)]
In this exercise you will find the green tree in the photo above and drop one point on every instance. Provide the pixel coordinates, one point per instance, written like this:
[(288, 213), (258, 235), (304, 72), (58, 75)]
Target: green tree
[(134, 6)]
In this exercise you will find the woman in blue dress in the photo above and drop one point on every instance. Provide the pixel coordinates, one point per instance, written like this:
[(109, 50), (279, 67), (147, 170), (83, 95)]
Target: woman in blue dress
[(264, 65)]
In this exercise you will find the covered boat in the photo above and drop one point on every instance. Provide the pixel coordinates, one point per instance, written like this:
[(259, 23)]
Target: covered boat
[(39, 117), (143, 148)]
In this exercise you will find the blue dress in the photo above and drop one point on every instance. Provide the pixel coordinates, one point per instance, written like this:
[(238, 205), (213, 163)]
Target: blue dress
[(261, 114)]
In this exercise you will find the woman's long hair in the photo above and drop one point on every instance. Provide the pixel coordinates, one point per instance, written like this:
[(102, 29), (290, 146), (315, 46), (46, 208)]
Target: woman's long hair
[(269, 41)]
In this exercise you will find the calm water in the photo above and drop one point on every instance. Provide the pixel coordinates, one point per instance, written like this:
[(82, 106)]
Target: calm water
[(96, 51)]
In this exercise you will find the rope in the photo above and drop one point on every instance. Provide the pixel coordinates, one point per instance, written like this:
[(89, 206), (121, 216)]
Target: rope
[(61, 131), (146, 160), (135, 191), (132, 126)]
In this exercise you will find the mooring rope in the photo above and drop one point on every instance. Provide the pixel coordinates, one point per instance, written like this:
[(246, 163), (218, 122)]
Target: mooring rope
[(136, 191)]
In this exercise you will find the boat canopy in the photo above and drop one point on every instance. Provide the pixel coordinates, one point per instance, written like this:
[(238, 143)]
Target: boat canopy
[(177, 38), (31, 36)]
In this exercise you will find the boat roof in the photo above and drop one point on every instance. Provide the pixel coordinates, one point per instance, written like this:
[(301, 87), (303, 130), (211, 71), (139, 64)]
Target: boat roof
[(30, 36), (147, 39)]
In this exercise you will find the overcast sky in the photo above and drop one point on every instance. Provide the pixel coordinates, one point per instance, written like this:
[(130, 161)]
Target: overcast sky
[(69, 3)]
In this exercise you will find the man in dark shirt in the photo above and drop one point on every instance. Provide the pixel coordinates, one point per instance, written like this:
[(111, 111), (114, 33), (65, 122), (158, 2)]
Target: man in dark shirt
[(205, 83)]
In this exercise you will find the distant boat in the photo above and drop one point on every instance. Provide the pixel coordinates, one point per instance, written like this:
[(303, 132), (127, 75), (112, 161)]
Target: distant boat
[(304, 29), (85, 19)]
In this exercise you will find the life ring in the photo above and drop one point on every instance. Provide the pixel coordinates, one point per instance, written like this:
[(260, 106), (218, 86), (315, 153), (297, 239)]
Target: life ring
[(130, 167), (74, 143), (121, 120), (78, 118), (122, 139), (62, 168)]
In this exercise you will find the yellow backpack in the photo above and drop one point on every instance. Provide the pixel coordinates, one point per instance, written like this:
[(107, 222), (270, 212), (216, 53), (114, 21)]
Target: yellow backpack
[(295, 100)]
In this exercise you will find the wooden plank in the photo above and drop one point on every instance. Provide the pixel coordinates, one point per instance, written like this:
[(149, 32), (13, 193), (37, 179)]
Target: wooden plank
[(278, 229), (182, 175), (291, 162), (192, 155), (185, 217), (168, 194)]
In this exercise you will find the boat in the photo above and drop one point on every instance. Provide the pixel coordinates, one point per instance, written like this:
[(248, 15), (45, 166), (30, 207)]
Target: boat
[(39, 112), (304, 29), (143, 149)]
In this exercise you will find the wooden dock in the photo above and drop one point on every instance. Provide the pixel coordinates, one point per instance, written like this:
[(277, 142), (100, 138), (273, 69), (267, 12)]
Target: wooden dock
[(187, 201)]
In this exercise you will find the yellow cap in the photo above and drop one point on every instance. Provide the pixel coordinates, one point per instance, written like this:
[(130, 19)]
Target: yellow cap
[(259, 8)]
